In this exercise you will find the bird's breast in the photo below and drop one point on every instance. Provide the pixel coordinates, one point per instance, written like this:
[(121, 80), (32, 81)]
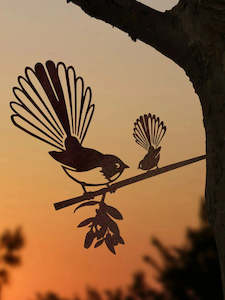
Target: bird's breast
[(149, 161), (91, 177)]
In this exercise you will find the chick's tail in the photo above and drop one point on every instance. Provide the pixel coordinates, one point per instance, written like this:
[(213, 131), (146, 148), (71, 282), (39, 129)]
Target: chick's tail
[(149, 131)]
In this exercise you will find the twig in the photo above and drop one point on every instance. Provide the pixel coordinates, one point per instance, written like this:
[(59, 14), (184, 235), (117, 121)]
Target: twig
[(125, 182)]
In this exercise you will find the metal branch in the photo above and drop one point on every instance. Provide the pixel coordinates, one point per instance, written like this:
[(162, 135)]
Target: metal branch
[(125, 182)]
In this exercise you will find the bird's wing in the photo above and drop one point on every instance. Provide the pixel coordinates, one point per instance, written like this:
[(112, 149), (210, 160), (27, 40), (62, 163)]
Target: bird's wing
[(148, 131), (52, 104)]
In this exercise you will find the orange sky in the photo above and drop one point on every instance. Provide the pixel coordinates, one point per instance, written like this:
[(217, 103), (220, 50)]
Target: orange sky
[(127, 79)]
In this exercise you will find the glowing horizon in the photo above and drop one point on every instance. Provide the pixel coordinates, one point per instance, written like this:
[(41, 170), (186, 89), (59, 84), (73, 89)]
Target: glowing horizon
[(127, 80)]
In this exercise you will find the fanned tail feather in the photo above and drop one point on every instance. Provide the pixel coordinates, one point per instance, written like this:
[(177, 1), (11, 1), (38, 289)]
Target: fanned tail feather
[(52, 104), (149, 131)]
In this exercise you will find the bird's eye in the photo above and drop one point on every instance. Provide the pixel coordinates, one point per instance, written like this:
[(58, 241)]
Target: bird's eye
[(117, 165)]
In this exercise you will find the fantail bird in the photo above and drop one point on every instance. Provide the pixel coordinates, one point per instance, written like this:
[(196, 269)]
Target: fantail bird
[(54, 107), (148, 133)]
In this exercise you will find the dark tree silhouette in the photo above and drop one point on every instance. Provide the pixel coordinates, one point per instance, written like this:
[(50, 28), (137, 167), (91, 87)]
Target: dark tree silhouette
[(192, 35), (49, 296), (11, 242), (190, 271)]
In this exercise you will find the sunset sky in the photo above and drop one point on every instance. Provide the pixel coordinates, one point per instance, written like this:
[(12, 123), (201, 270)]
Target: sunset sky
[(127, 80)]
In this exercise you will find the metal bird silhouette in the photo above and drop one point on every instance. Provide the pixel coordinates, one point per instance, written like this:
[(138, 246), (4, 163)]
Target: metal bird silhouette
[(55, 107), (148, 133)]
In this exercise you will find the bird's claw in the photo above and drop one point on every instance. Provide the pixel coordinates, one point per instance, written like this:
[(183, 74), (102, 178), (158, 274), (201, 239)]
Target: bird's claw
[(89, 195), (111, 189)]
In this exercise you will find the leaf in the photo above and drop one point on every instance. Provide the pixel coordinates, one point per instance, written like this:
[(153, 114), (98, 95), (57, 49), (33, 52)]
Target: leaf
[(121, 240), (99, 243), (89, 239), (4, 276), (102, 219), (109, 243), (102, 231), (115, 239), (85, 222), (114, 212), (89, 203), (113, 227), (12, 240), (11, 259)]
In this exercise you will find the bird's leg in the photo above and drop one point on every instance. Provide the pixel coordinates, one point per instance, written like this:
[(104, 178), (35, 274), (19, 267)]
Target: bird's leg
[(111, 189), (103, 197), (83, 187), (85, 191)]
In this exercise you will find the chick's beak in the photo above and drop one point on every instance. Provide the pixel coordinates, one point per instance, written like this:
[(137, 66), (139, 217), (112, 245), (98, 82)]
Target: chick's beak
[(126, 166)]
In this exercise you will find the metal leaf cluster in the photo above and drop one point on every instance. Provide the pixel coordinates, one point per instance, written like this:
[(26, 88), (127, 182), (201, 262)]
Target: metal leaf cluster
[(103, 228)]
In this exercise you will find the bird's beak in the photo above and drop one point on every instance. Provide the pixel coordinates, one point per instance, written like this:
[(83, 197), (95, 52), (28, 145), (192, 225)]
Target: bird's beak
[(126, 166)]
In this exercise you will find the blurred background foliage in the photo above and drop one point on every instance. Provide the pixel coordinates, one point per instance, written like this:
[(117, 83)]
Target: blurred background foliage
[(11, 242), (187, 272)]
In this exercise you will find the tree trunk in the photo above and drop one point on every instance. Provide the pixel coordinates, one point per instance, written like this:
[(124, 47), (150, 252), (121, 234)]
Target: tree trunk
[(206, 69), (214, 122), (192, 34), (215, 179)]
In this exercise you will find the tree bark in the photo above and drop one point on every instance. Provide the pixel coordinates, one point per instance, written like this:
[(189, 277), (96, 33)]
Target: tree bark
[(141, 22), (192, 34), (213, 96)]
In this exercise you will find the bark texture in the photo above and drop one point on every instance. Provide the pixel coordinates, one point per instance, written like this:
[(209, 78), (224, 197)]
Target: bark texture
[(192, 34)]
